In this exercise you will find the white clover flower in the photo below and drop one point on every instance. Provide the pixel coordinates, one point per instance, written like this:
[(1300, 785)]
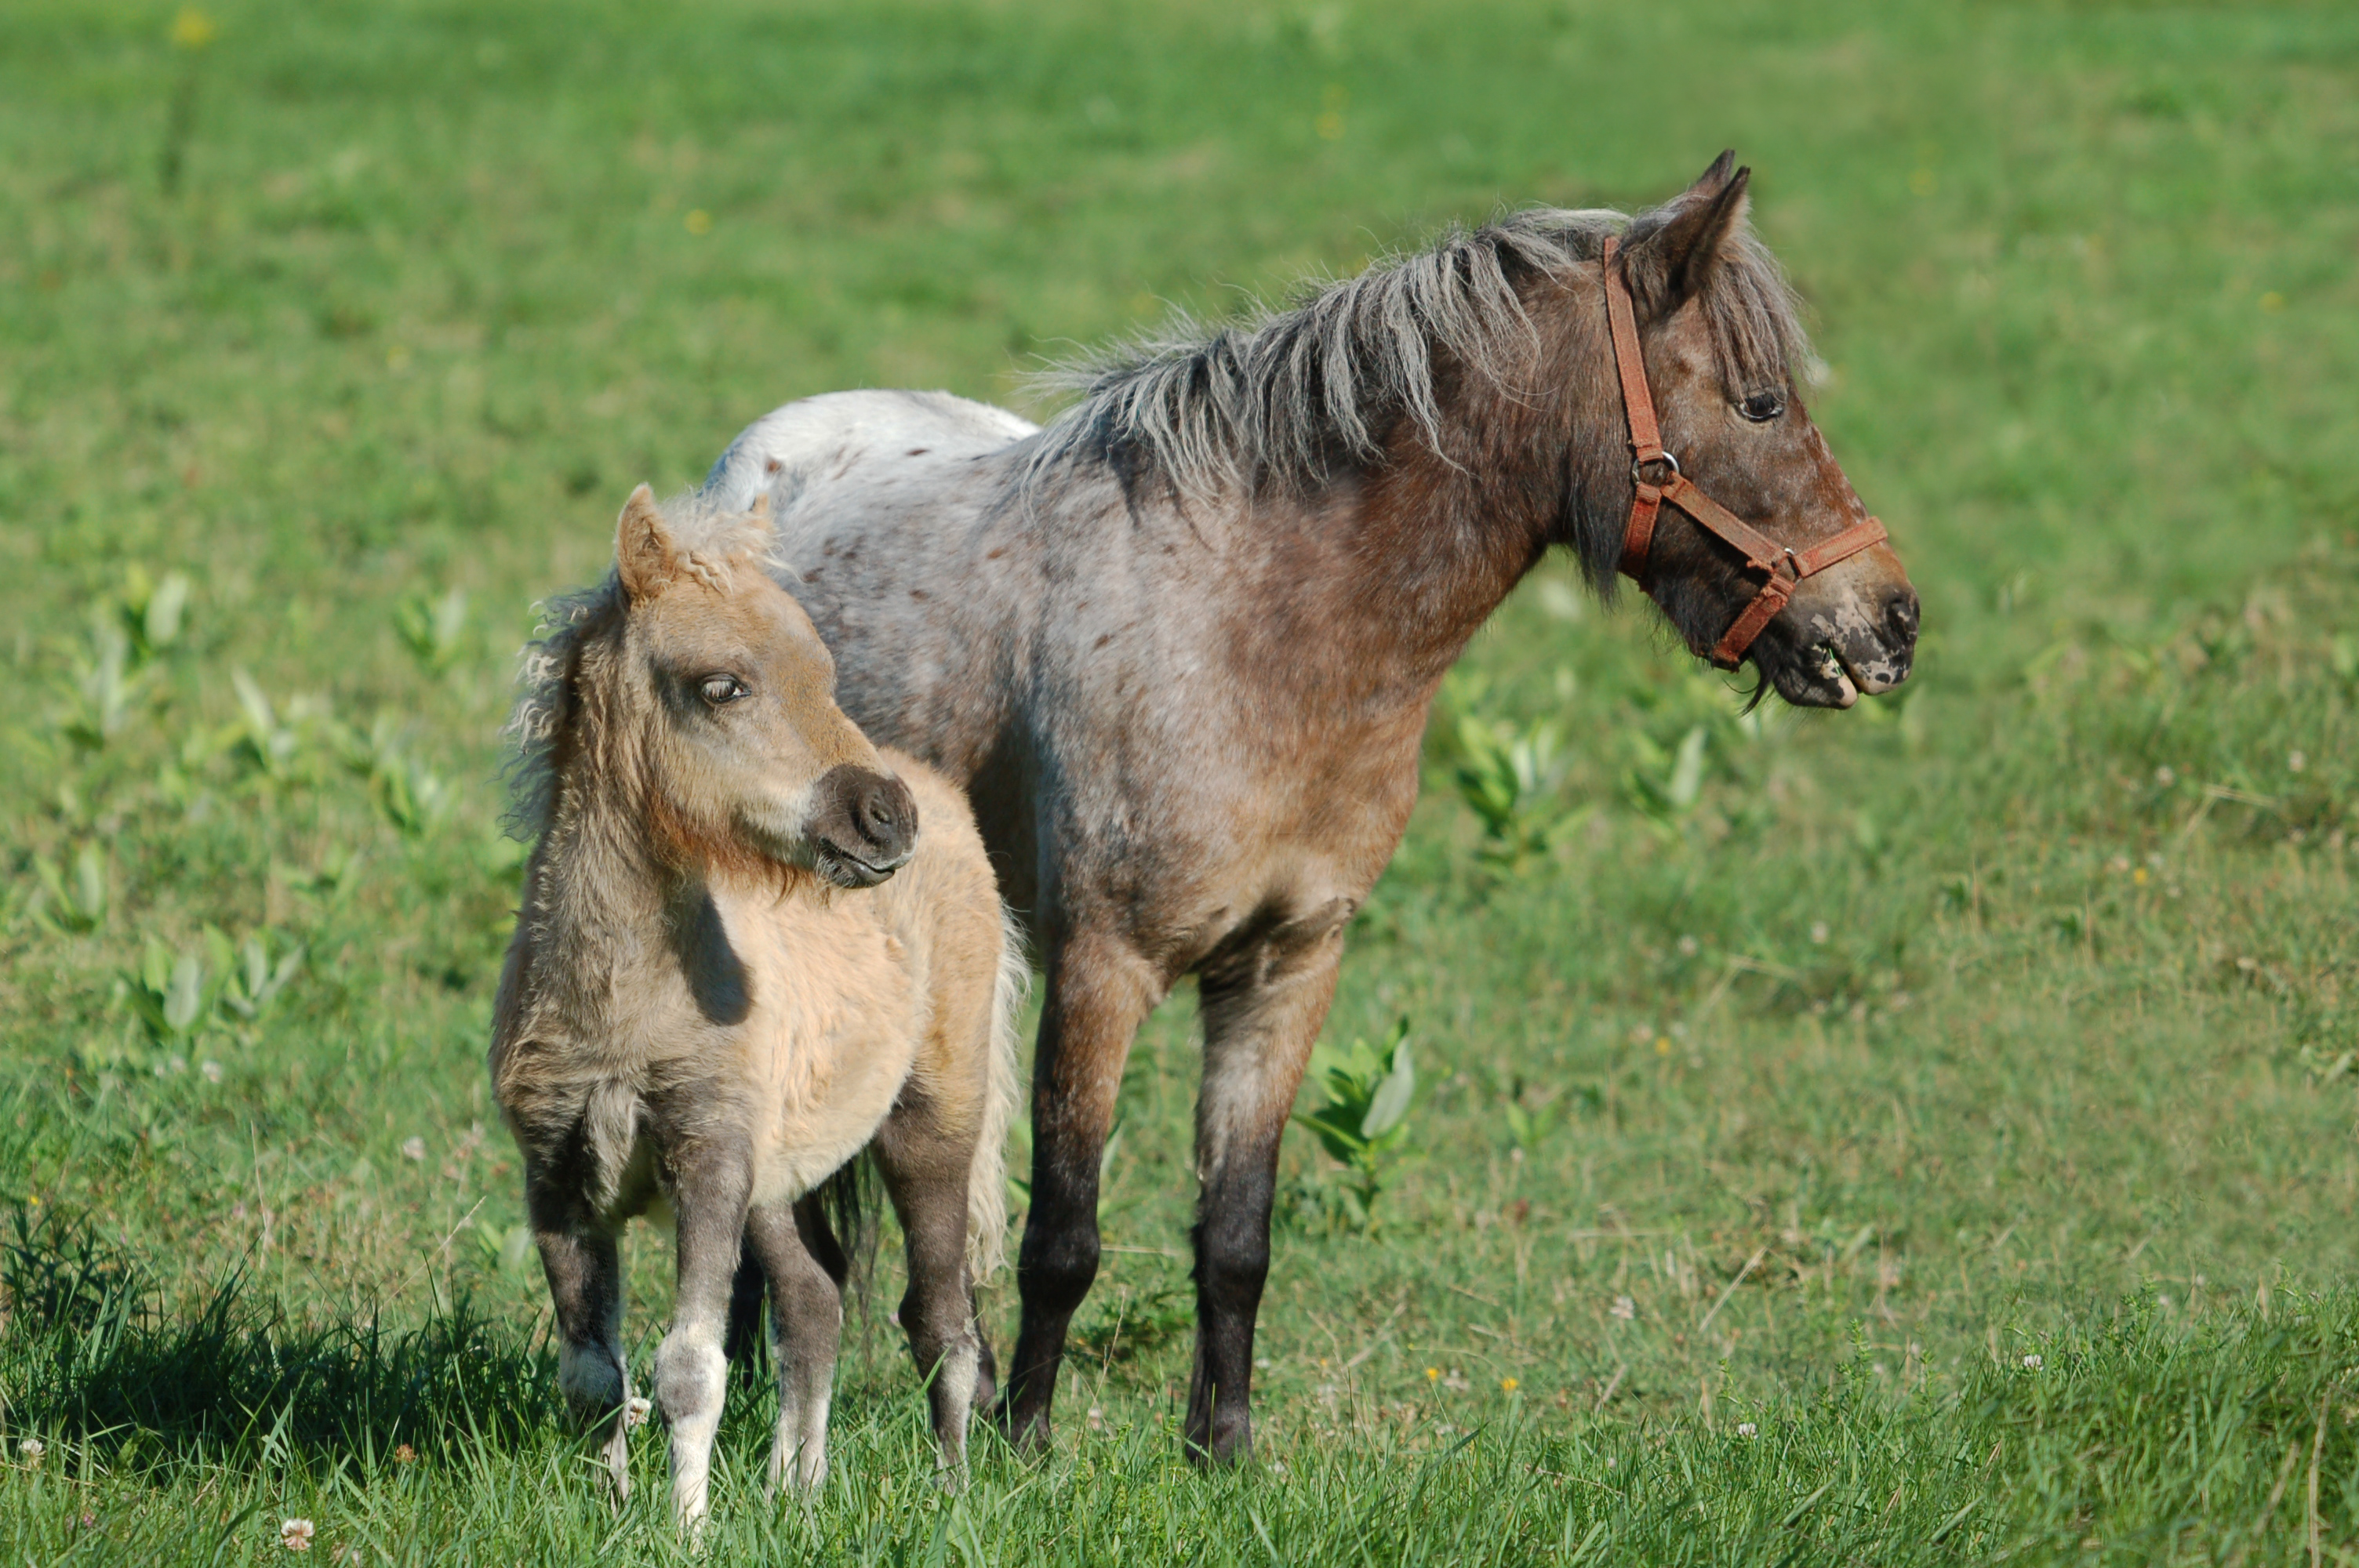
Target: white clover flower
[(295, 1534), (31, 1449), (2032, 1362), (636, 1412), (413, 1149), (1624, 1308), (1747, 1429)]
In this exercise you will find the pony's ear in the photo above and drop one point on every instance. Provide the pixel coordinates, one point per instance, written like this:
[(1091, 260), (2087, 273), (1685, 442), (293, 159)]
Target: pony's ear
[(644, 555), (1681, 254)]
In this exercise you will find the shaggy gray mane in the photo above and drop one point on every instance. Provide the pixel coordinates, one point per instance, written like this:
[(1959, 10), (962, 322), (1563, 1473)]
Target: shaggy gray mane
[(713, 543), (1273, 399)]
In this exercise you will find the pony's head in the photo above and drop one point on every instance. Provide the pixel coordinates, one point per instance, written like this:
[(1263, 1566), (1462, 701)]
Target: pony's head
[(1720, 345), (701, 696)]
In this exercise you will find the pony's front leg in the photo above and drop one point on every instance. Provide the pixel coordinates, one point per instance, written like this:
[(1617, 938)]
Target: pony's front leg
[(585, 1285), (1262, 1009), (806, 1268), (1099, 989), (928, 1168), (711, 1185)]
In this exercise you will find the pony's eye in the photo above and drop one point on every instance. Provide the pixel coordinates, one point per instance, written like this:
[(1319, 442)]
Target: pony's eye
[(1762, 407), (722, 689)]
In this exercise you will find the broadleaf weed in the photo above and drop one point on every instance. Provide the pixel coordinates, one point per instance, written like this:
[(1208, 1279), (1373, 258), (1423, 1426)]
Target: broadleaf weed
[(1361, 1120)]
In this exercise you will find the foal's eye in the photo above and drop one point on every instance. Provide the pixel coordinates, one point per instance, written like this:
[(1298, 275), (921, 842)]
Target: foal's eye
[(1762, 407), (721, 690)]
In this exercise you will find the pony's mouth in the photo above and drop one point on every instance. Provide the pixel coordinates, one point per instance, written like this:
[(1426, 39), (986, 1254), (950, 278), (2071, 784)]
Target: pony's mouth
[(845, 870), (1824, 675)]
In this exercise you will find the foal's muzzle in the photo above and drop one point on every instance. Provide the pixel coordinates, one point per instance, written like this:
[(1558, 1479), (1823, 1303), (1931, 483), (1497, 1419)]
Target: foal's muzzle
[(865, 826)]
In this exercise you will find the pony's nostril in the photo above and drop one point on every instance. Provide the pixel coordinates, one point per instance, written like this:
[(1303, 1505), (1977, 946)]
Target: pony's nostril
[(1900, 618), (871, 817), (884, 815)]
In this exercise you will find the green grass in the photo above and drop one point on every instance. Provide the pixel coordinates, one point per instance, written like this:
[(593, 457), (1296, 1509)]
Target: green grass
[(2012, 1016)]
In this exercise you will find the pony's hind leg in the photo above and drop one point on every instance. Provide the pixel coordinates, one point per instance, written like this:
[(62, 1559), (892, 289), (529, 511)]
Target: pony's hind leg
[(927, 1168), (586, 1284), (709, 1190), (799, 1255)]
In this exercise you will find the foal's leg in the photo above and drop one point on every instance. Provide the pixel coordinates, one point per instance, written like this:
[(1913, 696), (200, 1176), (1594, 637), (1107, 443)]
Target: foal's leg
[(1098, 990), (798, 1254), (711, 1185), (586, 1284), (1262, 1010), (927, 1169)]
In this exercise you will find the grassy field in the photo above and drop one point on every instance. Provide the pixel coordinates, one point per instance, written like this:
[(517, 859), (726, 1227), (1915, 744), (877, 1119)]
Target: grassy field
[(1924, 1134)]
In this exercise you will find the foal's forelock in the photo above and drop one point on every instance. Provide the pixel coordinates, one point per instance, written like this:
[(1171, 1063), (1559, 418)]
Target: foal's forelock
[(1274, 401)]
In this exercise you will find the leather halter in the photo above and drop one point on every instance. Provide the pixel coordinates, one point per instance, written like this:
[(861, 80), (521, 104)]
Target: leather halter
[(1783, 566)]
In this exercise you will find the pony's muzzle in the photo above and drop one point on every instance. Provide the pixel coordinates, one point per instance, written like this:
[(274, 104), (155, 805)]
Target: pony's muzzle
[(1882, 660), (865, 826)]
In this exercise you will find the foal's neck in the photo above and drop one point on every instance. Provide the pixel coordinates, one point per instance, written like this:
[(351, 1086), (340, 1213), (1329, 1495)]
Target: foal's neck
[(600, 895)]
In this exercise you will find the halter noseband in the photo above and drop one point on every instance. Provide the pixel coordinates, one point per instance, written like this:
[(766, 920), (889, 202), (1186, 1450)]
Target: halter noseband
[(1784, 566)]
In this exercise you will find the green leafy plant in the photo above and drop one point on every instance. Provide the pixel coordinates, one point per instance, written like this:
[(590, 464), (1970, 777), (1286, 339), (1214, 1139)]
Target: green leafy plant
[(105, 687), (73, 900), (1508, 774), (1665, 784), (251, 979), (1530, 1124), (1361, 1120), (433, 630), (412, 796), (153, 610), (262, 740), (169, 993)]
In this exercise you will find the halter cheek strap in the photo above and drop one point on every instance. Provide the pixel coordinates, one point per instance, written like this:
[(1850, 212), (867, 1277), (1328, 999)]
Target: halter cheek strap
[(1782, 566)]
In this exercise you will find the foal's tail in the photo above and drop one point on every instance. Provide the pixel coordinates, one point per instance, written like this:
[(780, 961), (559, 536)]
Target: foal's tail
[(986, 1186)]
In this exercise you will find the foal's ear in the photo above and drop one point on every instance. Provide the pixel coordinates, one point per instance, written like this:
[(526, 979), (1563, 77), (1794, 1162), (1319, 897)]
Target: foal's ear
[(644, 555), (1684, 248)]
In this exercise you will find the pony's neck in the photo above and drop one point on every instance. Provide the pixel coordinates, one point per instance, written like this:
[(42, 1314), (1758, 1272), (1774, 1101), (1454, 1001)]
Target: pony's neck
[(1532, 458), (594, 871)]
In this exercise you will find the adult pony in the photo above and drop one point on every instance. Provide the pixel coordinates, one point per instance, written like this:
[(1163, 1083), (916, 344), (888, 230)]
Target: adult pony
[(1180, 644)]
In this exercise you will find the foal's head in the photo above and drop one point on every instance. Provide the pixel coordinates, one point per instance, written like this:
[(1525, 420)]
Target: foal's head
[(1721, 341), (696, 689)]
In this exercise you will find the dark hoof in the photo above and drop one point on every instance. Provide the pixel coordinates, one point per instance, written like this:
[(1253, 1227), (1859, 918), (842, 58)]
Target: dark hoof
[(1228, 1448), (1025, 1434)]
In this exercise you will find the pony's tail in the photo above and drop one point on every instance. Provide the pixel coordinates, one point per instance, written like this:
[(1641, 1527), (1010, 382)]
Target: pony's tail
[(986, 1185)]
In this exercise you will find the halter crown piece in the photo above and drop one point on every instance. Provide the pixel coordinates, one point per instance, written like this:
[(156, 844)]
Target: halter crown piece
[(1783, 566)]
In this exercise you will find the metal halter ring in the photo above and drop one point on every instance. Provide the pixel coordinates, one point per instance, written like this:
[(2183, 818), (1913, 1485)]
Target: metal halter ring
[(1637, 464)]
